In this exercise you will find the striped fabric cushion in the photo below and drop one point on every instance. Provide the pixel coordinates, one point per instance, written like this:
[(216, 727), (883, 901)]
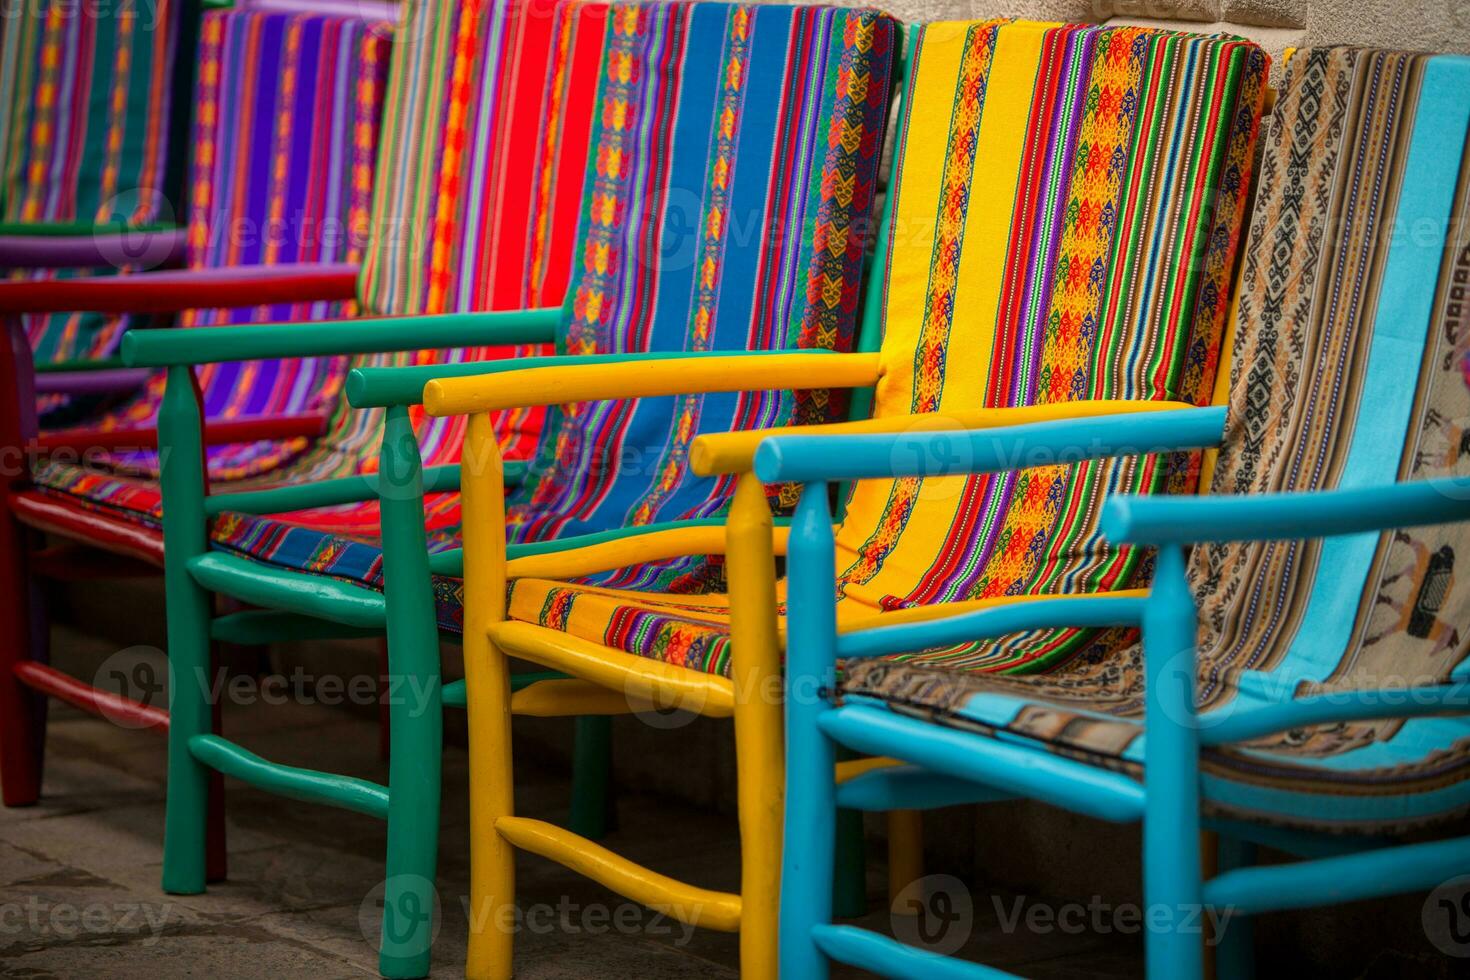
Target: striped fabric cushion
[(479, 190), (1067, 211), (727, 211), (287, 125), (1086, 253), (84, 117), (530, 68), (1346, 372)]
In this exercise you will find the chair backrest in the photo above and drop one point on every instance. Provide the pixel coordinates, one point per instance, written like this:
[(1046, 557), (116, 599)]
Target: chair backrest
[(1066, 217), (735, 162), (1352, 334), (286, 110), (477, 187), (286, 135), (85, 98), (84, 103), (489, 103)]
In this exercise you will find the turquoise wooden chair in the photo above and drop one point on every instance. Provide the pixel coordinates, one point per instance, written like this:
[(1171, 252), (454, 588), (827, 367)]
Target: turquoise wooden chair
[(1302, 679)]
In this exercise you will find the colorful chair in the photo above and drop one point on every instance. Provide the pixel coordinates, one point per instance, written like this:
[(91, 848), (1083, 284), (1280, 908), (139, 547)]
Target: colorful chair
[(1289, 692), (726, 209), (281, 178), (1069, 236)]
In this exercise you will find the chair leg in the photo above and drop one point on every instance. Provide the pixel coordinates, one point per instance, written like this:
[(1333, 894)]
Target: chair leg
[(808, 852), (487, 690), (492, 858), (592, 808), (186, 810), (755, 663), (385, 718), (416, 712), (22, 711), (409, 895), (410, 899), (1173, 890), (188, 611), (809, 855), (216, 860)]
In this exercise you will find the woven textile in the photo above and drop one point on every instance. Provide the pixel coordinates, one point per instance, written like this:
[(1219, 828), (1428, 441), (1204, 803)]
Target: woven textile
[(547, 69), (1068, 205), (84, 117), (727, 211), (1345, 373), (478, 199), (286, 130)]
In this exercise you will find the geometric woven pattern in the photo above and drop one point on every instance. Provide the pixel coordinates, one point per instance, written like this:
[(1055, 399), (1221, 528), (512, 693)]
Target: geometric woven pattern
[(84, 112), (436, 44), (728, 212), (1346, 373), (724, 209), (1068, 203), (287, 113)]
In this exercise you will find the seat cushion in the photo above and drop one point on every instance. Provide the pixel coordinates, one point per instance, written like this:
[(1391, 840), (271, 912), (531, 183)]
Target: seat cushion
[(686, 630), (1342, 777), (1369, 776), (340, 542), (344, 543)]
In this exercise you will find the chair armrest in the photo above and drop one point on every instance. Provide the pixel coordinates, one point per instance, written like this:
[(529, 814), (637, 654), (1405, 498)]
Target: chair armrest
[(102, 380), (172, 292), (815, 459), (371, 387), (219, 432), (1285, 516), (146, 249), (723, 453), (366, 10), (642, 378), (171, 348)]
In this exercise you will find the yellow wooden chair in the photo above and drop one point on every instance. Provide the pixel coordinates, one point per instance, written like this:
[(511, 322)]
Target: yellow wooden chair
[(1059, 242)]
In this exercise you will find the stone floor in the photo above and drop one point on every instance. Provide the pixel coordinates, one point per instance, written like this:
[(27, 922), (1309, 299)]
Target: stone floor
[(79, 872)]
